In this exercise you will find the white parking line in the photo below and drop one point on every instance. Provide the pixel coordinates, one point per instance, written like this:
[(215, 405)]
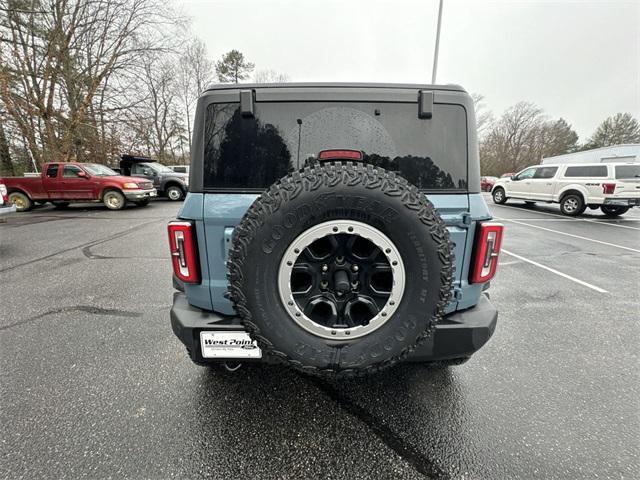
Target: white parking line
[(537, 219), (561, 217), (572, 235), (504, 264), (552, 270)]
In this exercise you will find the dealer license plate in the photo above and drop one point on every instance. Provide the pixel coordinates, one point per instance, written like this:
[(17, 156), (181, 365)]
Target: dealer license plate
[(228, 345)]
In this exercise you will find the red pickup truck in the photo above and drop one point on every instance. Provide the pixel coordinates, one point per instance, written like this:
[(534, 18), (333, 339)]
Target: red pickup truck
[(62, 183)]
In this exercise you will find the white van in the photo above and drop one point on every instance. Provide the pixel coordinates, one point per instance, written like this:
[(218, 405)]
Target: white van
[(612, 187)]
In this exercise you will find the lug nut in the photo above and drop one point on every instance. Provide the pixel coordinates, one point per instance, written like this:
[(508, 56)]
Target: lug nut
[(355, 268), (325, 268)]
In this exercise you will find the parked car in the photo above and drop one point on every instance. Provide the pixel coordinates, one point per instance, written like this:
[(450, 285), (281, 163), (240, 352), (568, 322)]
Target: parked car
[(486, 183), (313, 234), (614, 188), (170, 184), (180, 168), (64, 183), (6, 207)]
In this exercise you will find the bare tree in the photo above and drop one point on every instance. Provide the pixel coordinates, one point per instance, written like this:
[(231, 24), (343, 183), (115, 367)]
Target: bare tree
[(57, 59), (6, 165), (195, 73), (509, 144), (483, 116), (270, 76), (157, 120), (522, 136)]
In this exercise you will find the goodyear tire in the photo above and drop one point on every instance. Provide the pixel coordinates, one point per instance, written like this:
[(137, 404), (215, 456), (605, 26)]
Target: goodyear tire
[(340, 270), (442, 364)]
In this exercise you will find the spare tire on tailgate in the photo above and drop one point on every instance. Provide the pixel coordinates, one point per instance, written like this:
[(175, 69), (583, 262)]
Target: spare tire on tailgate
[(340, 269)]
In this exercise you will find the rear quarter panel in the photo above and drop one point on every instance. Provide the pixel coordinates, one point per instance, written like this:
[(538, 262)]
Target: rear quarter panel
[(590, 188), (32, 186)]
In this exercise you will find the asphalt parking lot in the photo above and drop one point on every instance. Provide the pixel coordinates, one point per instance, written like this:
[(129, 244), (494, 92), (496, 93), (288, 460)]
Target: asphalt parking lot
[(95, 385)]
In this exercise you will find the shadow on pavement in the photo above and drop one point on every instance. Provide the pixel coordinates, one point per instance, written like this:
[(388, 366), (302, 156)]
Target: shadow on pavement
[(274, 402)]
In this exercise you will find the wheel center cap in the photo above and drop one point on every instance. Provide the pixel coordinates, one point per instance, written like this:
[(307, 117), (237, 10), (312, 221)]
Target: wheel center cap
[(341, 281)]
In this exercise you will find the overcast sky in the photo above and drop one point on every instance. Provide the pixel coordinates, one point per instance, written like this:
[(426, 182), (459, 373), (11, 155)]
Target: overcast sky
[(576, 59)]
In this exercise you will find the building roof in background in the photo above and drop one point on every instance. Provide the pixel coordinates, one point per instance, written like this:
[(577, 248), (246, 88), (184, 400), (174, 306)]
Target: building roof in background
[(613, 153)]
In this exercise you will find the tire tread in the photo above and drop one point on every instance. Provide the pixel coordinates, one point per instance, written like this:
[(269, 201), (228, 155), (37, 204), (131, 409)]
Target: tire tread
[(331, 175)]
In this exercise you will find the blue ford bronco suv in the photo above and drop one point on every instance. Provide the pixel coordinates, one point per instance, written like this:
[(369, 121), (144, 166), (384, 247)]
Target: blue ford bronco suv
[(335, 228)]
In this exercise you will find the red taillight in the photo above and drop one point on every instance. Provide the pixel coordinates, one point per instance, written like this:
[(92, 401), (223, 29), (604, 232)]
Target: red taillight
[(608, 188), (487, 248), (184, 251), (340, 155)]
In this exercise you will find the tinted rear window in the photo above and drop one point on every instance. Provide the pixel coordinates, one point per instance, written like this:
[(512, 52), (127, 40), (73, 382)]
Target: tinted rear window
[(252, 153), (545, 172), (628, 171), (52, 170), (587, 171)]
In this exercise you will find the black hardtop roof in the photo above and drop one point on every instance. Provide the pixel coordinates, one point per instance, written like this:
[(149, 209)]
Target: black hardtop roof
[(136, 158), (312, 85)]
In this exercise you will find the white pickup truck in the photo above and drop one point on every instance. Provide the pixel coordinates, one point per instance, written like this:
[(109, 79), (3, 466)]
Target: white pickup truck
[(614, 188)]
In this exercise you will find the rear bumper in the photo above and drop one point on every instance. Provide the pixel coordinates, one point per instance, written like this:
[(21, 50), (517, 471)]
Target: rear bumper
[(7, 209), (459, 334), (140, 194), (623, 202)]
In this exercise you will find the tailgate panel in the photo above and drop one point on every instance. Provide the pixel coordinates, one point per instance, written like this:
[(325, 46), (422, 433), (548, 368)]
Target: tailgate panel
[(222, 212)]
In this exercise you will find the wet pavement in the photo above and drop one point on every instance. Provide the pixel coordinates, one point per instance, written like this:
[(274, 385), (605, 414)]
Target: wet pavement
[(95, 385)]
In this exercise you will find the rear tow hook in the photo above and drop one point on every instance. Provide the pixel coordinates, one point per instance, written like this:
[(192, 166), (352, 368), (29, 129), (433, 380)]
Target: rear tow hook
[(232, 367)]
